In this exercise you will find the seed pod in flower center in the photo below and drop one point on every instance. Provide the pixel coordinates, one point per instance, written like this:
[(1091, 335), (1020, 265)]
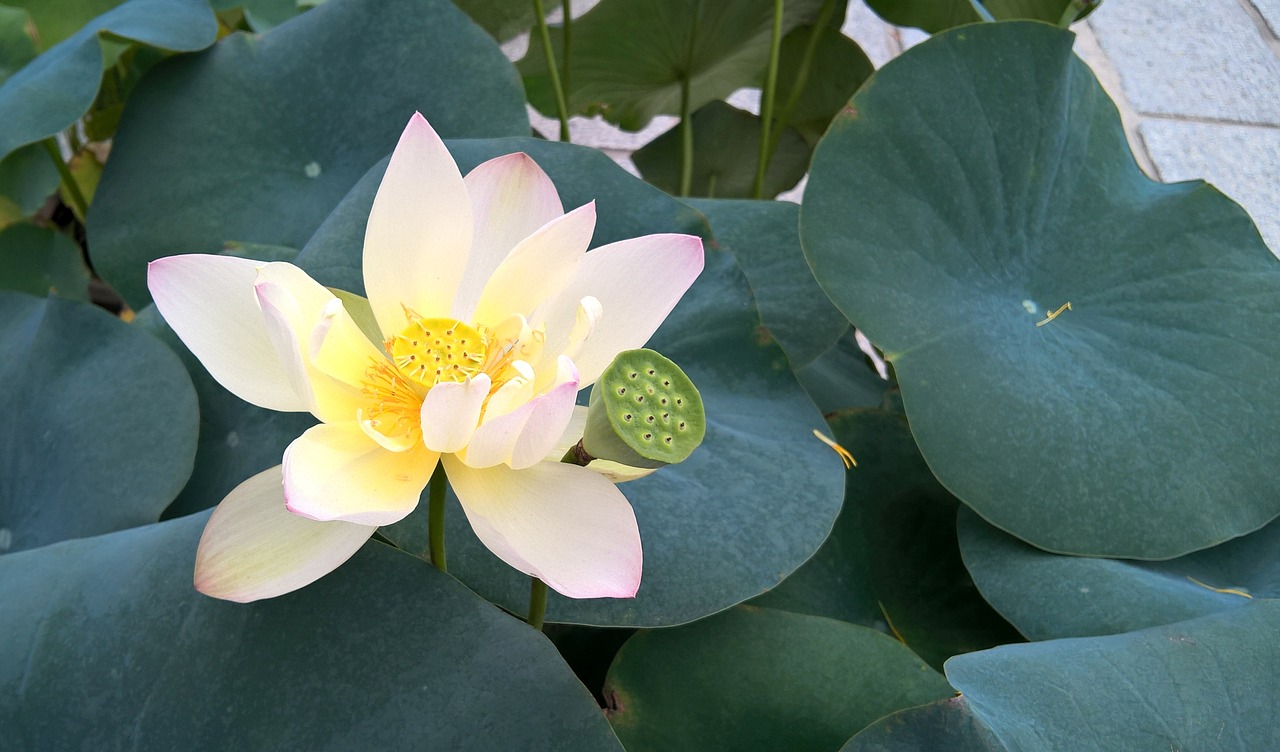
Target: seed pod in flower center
[(429, 351)]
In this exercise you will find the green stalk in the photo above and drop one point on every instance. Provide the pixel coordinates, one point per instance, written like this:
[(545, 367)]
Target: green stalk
[(567, 9), (686, 139), (802, 76), (68, 180), (435, 517), (537, 603), (766, 101), (562, 108)]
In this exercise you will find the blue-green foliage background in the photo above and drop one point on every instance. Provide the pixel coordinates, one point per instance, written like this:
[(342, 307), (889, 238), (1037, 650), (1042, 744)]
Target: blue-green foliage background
[(1058, 534)]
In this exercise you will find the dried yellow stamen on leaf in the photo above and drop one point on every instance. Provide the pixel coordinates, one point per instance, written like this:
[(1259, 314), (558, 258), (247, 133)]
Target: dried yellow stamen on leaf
[(845, 457)]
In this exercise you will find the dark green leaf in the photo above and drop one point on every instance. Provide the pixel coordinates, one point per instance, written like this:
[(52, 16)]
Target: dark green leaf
[(838, 68), (100, 423), (108, 646), (707, 524), (55, 89), (763, 237), (1047, 596), (1204, 684), (892, 560), (503, 19), (725, 144), (27, 177), (958, 203), (55, 20), (759, 679), (258, 138), (841, 378), (937, 15), (39, 261), (17, 47), (629, 56)]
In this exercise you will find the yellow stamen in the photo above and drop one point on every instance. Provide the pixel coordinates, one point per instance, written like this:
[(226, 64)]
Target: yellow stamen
[(393, 403), (429, 351), (1226, 591), (845, 457), (1064, 307)]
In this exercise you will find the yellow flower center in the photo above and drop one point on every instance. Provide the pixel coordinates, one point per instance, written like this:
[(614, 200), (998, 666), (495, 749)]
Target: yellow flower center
[(429, 351)]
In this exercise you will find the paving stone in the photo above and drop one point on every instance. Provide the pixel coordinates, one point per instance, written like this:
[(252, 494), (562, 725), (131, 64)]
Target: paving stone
[(876, 38), (1194, 58), (1242, 161)]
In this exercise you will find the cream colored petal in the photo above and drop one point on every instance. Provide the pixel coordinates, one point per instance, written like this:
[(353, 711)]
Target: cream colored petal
[(521, 437), (210, 303), (637, 282), (339, 348), (330, 399), (451, 412), (336, 472), (539, 267), (419, 233), (563, 524), (253, 547), (511, 197)]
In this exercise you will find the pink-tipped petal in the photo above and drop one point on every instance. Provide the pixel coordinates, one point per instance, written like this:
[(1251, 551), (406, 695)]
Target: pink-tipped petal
[(551, 413), (336, 472), (523, 437), (254, 548), (511, 197), (538, 268), (418, 237), (451, 412), (561, 523), (636, 282), (209, 302)]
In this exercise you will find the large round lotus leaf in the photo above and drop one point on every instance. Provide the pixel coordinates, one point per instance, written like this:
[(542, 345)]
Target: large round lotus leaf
[(1204, 684), (759, 679), (957, 204), (764, 238), (710, 525), (54, 90), (237, 439), (892, 561), (723, 136), (108, 646), (936, 15), (99, 424), (258, 138), (41, 261), (629, 56), (1047, 596)]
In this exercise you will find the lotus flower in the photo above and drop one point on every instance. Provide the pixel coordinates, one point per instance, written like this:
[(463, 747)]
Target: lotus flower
[(492, 316)]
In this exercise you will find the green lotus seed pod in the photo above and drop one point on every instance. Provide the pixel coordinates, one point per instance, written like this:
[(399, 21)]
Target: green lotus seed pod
[(644, 412)]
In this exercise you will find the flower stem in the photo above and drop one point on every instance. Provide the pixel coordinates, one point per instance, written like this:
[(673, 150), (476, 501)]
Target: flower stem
[(802, 77), (435, 519), (537, 603), (566, 8), (686, 139), (766, 101), (553, 70), (1074, 10), (68, 180)]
